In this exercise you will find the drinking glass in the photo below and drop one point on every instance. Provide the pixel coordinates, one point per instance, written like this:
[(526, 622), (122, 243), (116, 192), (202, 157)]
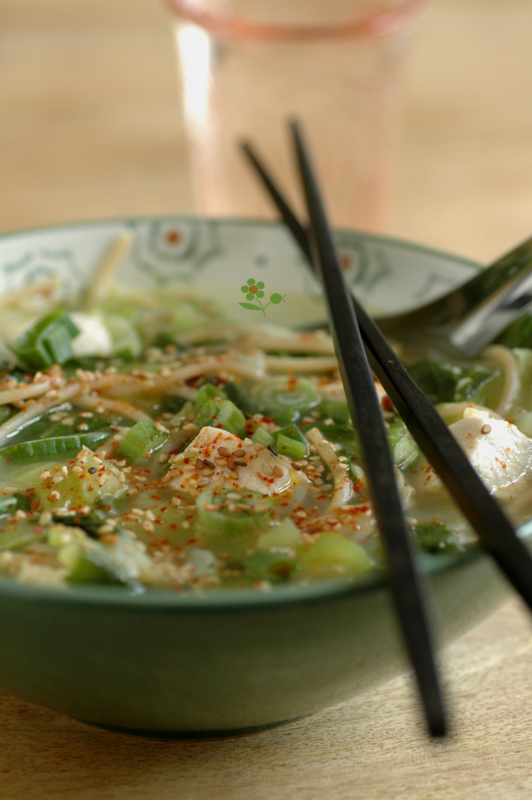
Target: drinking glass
[(248, 66)]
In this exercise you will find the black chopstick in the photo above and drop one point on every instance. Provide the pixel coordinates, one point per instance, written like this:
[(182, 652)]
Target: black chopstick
[(435, 440), (366, 413)]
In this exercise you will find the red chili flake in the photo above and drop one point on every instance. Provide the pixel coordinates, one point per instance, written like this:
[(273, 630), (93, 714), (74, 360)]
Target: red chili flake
[(192, 541), (387, 403)]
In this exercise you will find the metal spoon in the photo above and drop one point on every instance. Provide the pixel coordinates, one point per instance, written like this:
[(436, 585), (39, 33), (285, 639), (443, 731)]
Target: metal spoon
[(468, 318)]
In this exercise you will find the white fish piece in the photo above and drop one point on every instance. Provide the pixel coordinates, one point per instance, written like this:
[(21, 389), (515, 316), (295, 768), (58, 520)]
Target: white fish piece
[(253, 467), (498, 451), (93, 339)]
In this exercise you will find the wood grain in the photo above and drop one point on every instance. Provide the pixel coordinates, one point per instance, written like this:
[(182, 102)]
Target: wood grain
[(90, 127)]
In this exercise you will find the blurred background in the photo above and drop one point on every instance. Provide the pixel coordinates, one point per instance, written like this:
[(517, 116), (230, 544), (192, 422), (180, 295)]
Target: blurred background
[(91, 126)]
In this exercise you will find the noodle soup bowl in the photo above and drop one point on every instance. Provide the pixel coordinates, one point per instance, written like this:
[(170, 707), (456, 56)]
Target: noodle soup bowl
[(224, 661)]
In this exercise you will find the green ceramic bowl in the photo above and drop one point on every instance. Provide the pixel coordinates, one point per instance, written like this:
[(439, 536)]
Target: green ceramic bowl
[(216, 664)]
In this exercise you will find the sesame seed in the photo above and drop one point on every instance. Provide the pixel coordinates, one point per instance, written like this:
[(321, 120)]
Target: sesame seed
[(45, 518), (239, 453), (45, 474), (103, 529), (86, 414), (278, 471), (326, 487), (485, 429), (53, 497), (58, 477), (176, 501), (64, 470), (150, 514), (67, 421)]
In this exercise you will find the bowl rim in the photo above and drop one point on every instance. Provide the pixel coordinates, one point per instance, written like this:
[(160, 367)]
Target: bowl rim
[(238, 598), (396, 241)]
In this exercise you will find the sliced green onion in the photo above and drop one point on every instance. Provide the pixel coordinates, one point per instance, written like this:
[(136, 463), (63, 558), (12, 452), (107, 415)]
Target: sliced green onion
[(270, 565), (18, 540), (82, 563), (14, 502), (93, 562), (47, 342), (205, 393), (241, 398), (126, 340), (261, 436), (334, 550), (223, 414), (405, 453), (286, 399), (42, 449), (144, 437), (224, 514), (290, 448), (284, 535), (337, 411), (294, 432), (435, 537)]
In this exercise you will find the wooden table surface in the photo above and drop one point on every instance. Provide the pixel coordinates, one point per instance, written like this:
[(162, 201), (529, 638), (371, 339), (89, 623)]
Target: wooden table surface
[(89, 128)]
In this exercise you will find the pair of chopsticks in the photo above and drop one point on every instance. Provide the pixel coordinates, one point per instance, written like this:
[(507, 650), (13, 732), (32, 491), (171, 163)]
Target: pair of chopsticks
[(355, 334)]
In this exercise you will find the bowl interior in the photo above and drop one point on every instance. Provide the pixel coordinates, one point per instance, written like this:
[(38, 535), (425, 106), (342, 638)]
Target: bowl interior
[(216, 258)]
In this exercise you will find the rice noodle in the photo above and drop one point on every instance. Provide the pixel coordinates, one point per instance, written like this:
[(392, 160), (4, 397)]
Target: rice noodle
[(343, 487), (119, 407), (26, 390), (266, 337), (307, 364), (44, 286), (122, 385), (186, 392), (37, 407), (108, 265)]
